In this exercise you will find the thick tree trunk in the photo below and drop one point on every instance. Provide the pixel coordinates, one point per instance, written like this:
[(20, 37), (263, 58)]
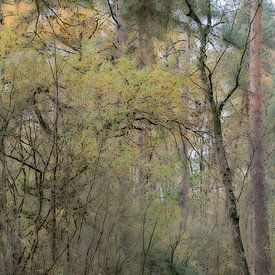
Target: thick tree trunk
[(145, 50), (261, 260), (121, 35)]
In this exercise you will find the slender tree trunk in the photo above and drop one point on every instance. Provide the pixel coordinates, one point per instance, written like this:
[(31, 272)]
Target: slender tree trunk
[(56, 160), (4, 264), (144, 54), (1, 14), (261, 259), (184, 178), (226, 175), (144, 57), (141, 141), (183, 150), (4, 260), (225, 171), (121, 38)]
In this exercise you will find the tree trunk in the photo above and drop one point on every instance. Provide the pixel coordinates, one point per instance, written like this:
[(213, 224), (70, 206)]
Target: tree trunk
[(145, 50), (121, 35), (5, 262), (226, 175), (183, 150), (53, 201), (225, 171), (184, 177), (261, 259), (144, 54)]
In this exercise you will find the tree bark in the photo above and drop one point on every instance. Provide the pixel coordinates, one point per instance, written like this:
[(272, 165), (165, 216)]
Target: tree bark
[(226, 175), (5, 262), (183, 150), (221, 155), (121, 35), (184, 178), (261, 259), (144, 54)]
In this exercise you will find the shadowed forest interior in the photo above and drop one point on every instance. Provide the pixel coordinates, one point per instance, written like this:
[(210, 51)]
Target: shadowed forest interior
[(137, 137)]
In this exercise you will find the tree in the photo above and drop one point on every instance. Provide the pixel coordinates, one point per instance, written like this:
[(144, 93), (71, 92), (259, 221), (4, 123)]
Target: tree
[(261, 259), (206, 74), (121, 34)]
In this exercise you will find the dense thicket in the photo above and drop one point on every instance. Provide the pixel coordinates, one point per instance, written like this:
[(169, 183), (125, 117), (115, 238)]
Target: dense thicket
[(125, 143)]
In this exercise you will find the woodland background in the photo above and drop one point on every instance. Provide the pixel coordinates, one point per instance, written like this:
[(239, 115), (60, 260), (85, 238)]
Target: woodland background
[(137, 137)]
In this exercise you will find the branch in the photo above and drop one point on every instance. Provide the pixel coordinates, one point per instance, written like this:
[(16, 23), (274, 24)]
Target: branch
[(23, 162), (112, 14), (239, 70), (192, 13)]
